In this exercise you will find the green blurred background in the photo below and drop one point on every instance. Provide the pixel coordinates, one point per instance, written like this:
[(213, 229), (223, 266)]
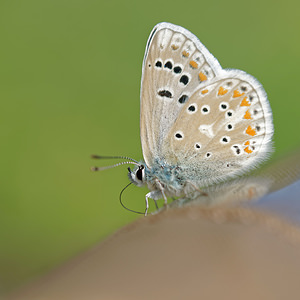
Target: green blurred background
[(70, 78)]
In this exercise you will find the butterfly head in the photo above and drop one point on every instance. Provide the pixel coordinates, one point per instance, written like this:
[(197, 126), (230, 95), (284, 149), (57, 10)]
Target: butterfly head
[(137, 175)]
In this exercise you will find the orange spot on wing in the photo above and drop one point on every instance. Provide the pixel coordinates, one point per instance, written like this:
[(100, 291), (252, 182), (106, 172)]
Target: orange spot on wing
[(247, 143), (245, 102), (193, 64), (248, 150), (202, 76), (222, 91), (250, 131), (185, 54), (236, 94), (174, 47), (247, 115), (204, 92)]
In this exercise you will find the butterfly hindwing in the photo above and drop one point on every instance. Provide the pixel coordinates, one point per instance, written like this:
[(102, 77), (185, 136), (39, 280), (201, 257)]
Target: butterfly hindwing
[(224, 129)]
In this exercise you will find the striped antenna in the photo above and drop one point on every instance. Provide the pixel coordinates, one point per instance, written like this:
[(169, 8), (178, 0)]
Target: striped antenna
[(113, 157), (132, 161)]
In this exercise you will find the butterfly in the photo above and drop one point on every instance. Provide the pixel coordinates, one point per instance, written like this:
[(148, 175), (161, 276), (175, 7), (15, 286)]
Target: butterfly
[(200, 124)]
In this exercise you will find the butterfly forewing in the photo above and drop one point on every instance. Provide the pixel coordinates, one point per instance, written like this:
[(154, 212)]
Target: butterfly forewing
[(175, 65)]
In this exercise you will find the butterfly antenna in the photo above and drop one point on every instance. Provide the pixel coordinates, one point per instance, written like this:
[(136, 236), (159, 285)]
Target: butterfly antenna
[(113, 166), (113, 157), (120, 197)]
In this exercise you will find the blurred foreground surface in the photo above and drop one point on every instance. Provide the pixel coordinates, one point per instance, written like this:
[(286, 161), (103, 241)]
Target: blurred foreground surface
[(223, 253), (228, 251)]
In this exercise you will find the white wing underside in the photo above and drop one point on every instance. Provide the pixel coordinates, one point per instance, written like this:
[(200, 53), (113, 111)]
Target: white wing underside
[(186, 101)]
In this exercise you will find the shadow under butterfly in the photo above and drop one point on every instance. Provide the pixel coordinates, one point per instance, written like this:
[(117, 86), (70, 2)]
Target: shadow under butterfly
[(274, 187)]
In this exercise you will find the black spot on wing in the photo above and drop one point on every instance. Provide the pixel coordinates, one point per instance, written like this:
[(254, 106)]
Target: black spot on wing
[(168, 65), (184, 79), (165, 93), (183, 99)]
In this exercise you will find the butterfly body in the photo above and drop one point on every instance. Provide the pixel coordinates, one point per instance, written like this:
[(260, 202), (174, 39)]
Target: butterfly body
[(168, 177)]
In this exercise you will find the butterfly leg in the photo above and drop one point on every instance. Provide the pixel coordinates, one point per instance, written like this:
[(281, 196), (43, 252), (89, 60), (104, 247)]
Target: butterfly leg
[(147, 203), (162, 192), (155, 195)]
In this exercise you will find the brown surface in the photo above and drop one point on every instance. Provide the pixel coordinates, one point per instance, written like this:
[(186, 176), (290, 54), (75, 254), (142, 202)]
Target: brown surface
[(187, 253)]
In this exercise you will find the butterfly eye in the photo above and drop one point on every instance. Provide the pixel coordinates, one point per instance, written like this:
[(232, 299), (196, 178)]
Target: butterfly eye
[(140, 173)]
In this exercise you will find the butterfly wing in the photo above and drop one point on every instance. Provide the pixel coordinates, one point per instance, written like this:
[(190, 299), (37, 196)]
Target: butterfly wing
[(175, 65), (223, 130), (212, 123)]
